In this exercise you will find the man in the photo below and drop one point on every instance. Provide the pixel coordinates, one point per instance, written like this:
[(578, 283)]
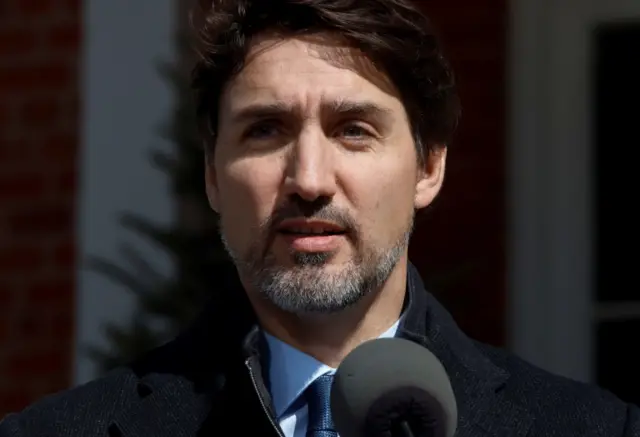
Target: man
[(326, 128)]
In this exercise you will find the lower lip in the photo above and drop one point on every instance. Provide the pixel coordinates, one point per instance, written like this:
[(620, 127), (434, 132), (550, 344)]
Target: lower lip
[(315, 243)]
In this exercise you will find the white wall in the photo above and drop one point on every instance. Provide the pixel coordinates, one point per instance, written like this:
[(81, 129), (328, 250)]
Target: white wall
[(124, 102), (550, 181)]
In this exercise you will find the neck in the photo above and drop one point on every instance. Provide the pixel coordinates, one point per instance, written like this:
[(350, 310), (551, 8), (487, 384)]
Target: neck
[(330, 337)]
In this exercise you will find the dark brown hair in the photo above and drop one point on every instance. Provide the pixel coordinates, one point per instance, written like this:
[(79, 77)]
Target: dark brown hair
[(393, 34)]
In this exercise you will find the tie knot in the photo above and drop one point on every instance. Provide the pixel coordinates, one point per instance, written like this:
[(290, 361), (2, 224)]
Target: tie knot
[(320, 388), (318, 396)]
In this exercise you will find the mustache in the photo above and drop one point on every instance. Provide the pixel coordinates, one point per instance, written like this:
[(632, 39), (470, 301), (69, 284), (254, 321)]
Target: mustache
[(319, 209)]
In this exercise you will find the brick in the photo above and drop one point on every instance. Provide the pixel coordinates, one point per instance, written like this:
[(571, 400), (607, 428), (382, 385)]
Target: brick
[(40, 112), (46, 386), (5, 336), (21, 259), (67, 181), (14, 400), (35, 8), (21, 186), (65, 254), (63, 327), (73, 7), (64, 37), (458, 16), (70, 108), (17, 41), (39, 54), (49, 292), (6, 14), (5, 113), (14, 154), (7, 295), (38, 76), (455, 233), (60, 148), (33, 326), (41, 220), (41, 363)]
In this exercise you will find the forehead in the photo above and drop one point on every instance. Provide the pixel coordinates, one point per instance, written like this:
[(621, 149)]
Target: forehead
[(308, 73)]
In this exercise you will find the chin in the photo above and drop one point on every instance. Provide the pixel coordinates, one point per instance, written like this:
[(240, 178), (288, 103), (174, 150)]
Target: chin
[(315, 259)]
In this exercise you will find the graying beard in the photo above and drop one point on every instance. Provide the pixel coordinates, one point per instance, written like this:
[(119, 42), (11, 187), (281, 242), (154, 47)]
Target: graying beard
[(306, 288), (310, 259)]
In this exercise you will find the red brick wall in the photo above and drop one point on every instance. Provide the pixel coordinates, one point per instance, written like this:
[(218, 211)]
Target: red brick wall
[(39, 126), (464, 235)]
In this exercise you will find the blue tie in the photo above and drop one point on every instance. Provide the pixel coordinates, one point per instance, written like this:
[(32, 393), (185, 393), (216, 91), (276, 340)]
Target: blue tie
[(318, 396)]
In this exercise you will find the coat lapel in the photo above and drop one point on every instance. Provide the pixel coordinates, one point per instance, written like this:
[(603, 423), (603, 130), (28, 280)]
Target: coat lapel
[(193, 385), (477, 382), (172, 409), (173, 401)]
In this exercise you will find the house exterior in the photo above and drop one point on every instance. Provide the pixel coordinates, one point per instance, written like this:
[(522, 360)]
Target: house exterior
[(512, 232)]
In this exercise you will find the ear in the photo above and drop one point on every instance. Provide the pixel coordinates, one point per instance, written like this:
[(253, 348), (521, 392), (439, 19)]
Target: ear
[(430, 177), (211, 184)]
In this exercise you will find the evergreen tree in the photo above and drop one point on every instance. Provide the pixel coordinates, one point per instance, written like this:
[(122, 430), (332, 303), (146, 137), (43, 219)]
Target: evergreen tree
[(166, 304)]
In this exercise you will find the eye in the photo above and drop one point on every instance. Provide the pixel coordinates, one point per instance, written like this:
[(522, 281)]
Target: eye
[(262, 130), (355, 132)]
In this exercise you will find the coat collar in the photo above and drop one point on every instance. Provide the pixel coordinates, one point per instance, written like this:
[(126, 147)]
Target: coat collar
[(476, 381), (176, 383)]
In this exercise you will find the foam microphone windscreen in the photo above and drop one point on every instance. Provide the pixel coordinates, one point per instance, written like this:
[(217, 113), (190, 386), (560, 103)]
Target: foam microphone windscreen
[(392, 387)]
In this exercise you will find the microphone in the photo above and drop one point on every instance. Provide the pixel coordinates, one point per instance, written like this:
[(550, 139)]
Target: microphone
[(392, 387)]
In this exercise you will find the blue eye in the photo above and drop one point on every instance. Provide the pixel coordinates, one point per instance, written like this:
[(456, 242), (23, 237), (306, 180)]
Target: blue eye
[(354, 131)]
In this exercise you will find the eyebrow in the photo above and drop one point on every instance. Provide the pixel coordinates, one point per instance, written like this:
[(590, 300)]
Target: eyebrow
[(259, 111), (342, 107), (358, 109)]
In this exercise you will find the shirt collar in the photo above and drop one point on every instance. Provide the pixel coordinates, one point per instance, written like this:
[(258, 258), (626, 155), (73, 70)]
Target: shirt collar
[(292, 371)]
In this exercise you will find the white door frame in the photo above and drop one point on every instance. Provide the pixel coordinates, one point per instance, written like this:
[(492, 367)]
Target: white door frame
[(551, 281)]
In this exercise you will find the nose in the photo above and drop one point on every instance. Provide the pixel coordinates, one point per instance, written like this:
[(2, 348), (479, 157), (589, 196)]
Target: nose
[(310, 168)]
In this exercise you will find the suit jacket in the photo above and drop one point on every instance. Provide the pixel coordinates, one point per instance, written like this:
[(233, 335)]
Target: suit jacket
[(203, 384)]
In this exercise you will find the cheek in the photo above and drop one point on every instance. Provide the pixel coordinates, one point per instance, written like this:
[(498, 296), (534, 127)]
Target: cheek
[(382, 195), (394, 207), (248, 190)]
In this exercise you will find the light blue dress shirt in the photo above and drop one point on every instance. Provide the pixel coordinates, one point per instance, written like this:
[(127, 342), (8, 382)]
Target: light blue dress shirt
[(290, 373)]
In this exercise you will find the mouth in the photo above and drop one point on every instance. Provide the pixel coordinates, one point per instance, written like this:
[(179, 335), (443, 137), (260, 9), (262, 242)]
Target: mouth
[(311, 235), (310, 228)]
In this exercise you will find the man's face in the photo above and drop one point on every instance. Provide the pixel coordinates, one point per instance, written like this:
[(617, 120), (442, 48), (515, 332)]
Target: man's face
[(315, 177)]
